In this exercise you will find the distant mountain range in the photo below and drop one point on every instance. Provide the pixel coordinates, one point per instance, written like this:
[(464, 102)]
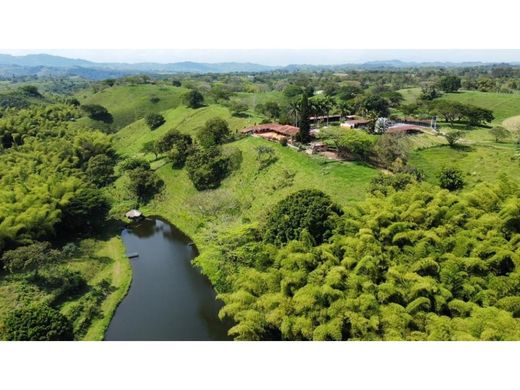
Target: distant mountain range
[(50, 65)]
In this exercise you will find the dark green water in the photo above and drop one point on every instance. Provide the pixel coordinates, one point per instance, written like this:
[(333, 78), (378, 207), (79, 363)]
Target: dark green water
[(169, 299)]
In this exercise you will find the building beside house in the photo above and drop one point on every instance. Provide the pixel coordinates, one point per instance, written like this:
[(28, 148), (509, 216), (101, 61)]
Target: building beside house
[(325, 118), (416, 121), (355, 122), (273, 131), (403, 128)]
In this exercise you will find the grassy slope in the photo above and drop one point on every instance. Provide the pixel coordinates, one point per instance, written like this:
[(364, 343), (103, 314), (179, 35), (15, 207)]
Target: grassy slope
[(484, 159), (248, 193), (130, 139), (120, 273), (128, 103), (503, 105), (479, 163)]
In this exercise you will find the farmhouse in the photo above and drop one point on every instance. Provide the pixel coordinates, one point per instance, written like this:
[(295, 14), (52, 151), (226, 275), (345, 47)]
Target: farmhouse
[(273, 131)]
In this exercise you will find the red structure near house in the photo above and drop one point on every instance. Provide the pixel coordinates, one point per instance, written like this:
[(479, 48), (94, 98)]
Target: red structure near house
[(273, 131)]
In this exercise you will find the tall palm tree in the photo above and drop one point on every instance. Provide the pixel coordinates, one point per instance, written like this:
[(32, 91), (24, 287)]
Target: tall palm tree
[(294, 110)]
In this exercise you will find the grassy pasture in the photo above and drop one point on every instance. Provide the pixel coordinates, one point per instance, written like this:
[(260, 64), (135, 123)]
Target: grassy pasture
[(130, 139), (129, 103)]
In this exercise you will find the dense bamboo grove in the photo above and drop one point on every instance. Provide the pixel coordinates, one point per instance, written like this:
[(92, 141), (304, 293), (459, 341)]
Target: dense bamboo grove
[(42, 170), (418, 264)]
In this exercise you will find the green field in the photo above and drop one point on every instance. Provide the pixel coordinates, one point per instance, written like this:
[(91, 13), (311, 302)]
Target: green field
[(128, 103), (410, 95), (503, 105)]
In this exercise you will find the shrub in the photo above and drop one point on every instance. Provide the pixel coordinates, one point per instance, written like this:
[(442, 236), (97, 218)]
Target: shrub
[(154, 100), (453, 137), (63, 282), (30, 256), (283, 141), (153, 121), (382, 183), (499, 133), (451, 179), (37, 323), (309, 210)]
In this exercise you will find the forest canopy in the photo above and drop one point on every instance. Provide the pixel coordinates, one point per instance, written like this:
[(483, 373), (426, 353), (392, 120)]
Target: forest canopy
[(418, 264)]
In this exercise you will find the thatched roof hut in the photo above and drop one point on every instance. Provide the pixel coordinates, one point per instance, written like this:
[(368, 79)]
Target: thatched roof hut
[(134, 214)]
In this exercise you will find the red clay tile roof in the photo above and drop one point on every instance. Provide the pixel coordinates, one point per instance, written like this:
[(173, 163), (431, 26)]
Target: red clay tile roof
[(405, 128), (287, 130), (357, 121)]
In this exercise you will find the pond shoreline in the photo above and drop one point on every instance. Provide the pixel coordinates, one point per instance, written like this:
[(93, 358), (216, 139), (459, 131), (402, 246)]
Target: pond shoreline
[(169, 298)]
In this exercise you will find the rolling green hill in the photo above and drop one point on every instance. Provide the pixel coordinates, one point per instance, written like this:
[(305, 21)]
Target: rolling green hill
[(245, 195), (128, 103), (130, 139)]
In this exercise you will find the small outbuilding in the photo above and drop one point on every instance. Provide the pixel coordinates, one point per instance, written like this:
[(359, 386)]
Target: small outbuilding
[(134, 215)]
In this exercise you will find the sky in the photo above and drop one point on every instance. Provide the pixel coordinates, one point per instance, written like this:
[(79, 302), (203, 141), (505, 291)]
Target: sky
[(280, 57)]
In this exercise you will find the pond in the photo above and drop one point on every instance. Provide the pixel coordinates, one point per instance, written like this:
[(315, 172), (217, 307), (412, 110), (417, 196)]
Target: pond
[(169, 299)]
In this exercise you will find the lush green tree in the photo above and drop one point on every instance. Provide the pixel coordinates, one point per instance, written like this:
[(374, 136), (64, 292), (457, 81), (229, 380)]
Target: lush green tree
[(450, 83), (173, 138), (207, 167), (220, 92), (394, 98), (271, 109), (429, 92), (292, 91), (451, 179), (97, 112), (215, 132), (153, 120), (86, 211), (37, 323), (311, 210), (30, 90), (476, 116), (352, 144), (133, 163), (151, 147), (348, 92), (193, 99), (100, 170), (375, 105), (499, 133), (143, 183), (238, 107), (304, 134)]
